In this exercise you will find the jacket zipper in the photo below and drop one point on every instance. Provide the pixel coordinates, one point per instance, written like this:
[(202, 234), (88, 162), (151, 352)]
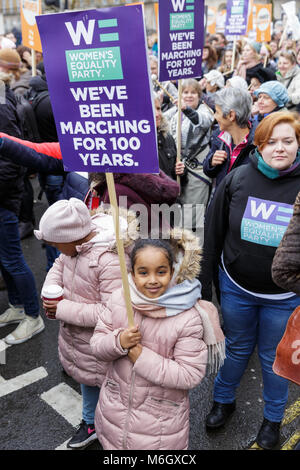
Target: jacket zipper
[(72, 292), (130, 401), (162, 401), (129, 409), (74, 275)]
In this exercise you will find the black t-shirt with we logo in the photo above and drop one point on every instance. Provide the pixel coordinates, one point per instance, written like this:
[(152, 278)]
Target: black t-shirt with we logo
[(245, 224)]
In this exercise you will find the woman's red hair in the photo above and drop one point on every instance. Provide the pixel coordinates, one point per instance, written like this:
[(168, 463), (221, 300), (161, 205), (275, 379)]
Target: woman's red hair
[(264, 130)]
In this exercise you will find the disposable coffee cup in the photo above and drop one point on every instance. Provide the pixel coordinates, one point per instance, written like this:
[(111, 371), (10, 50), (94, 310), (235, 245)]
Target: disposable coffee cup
[(52, 292)]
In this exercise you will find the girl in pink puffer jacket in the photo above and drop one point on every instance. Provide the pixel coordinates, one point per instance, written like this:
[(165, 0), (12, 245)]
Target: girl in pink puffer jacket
[(88, 269), (144, 401)]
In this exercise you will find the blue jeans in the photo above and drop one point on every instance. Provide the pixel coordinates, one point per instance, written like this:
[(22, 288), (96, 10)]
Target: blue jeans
[(90, 397), (53, 187), (16, 273), (51, 254), (251, 321)]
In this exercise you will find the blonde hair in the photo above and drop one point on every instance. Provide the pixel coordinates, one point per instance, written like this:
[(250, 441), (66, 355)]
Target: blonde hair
[(290, 55), (192, 83)]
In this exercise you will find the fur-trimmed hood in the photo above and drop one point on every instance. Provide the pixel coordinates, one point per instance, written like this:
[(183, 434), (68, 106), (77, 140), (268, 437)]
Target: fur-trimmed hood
[(187, 252), (131, 232), (164, 126)]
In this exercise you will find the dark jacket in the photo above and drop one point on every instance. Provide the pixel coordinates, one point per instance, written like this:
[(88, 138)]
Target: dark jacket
[(263, 74), (29, 158), (259, 70), (167, 153), (11, 174), (245, 222), (218, 143), (75, 185), (43, 110), (286, 262)]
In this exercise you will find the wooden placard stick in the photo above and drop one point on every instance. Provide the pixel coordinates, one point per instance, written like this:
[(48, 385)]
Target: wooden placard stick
[(33, 62), (266, 57), (120, 246), (178, 159), (233, 54), (154, 79), (283, 35)]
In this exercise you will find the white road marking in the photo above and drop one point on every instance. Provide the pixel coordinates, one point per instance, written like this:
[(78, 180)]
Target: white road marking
[(66, 401), (3, 347), (12, 385), (2, 380), (63, 446)]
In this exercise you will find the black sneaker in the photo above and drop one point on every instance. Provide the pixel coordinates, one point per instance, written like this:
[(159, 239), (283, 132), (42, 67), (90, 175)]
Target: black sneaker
[(83, 437)]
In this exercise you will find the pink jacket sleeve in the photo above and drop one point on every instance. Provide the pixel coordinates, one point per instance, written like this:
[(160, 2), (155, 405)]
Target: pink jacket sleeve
[(86, 314), (55, 274), (105, 343), (187, 368)]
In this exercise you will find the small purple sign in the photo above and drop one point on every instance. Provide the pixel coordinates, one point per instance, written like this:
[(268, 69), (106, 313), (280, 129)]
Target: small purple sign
[(236, 17), (181, 39), (97, 72)]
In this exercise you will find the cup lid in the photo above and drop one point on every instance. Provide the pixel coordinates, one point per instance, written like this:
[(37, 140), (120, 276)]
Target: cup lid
[(52, 291)]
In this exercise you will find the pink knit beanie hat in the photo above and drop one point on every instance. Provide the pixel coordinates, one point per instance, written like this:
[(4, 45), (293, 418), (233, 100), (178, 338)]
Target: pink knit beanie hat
[(65, 221)]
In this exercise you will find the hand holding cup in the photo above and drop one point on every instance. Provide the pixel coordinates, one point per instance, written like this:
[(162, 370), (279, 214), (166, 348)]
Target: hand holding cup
[(51, 296)]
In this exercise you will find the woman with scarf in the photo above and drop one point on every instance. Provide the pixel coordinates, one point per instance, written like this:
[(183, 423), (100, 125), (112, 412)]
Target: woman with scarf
[(245, 223), (231, 142), (271, 96), (196, 121), (250, 61), (288, 74), (167, 152), (144, 401)]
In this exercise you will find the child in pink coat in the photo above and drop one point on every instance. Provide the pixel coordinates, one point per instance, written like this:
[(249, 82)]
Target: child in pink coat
[(144, 400), (88, 269)]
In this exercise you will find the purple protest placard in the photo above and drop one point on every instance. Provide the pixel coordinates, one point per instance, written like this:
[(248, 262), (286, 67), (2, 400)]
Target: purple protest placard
[(97, 72), (236, 17), (181, 38)]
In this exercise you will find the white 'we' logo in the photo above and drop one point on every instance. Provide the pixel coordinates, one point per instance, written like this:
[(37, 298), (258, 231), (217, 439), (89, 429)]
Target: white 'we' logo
[(178, 4), (262, 208)]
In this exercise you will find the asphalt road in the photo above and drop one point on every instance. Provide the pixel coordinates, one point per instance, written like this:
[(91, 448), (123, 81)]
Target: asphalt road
[(40, 406)]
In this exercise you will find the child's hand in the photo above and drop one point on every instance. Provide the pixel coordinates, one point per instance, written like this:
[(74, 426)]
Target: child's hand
[(50, 305), (130, 337), (135, 352)]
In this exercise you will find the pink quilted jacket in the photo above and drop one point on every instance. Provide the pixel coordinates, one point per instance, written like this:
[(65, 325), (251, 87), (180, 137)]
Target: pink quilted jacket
[(88, 280), (146, 405)]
